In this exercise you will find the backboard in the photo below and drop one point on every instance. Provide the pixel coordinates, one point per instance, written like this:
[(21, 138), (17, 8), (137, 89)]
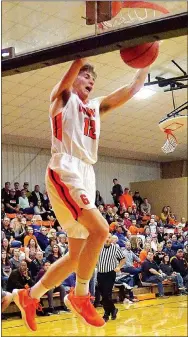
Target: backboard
[(60, 31)]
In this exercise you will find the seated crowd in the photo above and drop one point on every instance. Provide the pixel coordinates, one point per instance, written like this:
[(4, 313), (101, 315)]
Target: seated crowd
[(155, 246)]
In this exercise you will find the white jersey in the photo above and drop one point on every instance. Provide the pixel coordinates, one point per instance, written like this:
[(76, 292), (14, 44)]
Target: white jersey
[(75, 131)]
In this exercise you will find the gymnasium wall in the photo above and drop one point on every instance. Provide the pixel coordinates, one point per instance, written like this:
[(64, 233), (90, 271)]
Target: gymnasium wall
[(20, 163), (172, 192), (174, 169)]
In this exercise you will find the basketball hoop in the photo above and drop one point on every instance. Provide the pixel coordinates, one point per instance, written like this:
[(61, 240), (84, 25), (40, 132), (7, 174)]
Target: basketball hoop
[(136, 11), (169, 125), (171, 142)]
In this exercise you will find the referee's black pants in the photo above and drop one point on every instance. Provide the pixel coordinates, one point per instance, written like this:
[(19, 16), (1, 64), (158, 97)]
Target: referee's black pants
[(105, 283)]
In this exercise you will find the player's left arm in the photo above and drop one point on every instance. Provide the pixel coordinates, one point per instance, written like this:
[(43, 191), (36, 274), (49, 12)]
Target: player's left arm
[(122, 95)]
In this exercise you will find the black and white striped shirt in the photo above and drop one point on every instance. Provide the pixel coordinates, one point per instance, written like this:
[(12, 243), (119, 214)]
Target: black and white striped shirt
[(108, 259)]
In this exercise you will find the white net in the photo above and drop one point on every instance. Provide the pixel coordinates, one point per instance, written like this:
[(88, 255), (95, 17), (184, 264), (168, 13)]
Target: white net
[(170, 144)]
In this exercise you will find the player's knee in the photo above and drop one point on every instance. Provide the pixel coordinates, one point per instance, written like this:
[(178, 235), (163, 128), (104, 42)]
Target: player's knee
[(100, 229)]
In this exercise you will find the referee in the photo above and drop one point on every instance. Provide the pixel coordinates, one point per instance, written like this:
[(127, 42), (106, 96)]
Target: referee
[(107, 267)]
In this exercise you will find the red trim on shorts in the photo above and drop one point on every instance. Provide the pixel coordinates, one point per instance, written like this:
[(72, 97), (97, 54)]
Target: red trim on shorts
[(64, 194)]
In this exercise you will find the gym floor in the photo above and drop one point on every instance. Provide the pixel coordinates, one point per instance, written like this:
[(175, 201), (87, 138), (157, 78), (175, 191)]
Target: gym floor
[(158, 317)]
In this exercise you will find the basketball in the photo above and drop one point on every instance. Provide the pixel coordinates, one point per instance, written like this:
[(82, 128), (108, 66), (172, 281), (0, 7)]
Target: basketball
[(140, 56)]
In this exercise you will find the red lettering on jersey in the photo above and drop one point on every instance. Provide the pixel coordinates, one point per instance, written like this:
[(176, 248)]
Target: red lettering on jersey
[(57, 126), (87, 111)]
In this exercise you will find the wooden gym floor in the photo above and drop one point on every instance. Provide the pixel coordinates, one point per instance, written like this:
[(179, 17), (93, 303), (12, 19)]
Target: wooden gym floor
[(158, 317)]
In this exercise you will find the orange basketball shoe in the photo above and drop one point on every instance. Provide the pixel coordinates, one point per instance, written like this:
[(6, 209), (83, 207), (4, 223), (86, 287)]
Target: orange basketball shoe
[(27, 306), (84, 309)]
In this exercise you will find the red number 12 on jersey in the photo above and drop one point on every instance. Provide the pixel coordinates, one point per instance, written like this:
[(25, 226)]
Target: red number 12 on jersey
[(89, 128)]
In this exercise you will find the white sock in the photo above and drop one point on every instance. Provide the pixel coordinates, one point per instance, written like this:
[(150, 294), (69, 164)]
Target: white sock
[(38, 290), (82, 287)]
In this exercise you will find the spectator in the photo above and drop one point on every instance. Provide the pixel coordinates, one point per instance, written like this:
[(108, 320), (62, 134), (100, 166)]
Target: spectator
[(147, 232), (5, 191), (137, 245), (98, 199), (52, 233), (46, 200), (151, 273), (31, 250), (18, 226), (9, 233), (36, 264), (145, 207), (60, 289), (117, 191), (137, 199), (55, 255), (15, 260), (25, 187), (101, 210), (120, 233), (17, 189), (144, 252), (11, 202), (42, 238), (20, 278), (127, 221), (6, 246), (182, 223), (29, 236), (5, 268), (153, 226), (126, 199), (165, 215), (132, 215), (172, 275), (159, 254), (48, 250), (49, 210), (179, 265), (130, 258), (160, 234), (175, 244), (109, 215), (36, 195), (24, 203), (62, 243), (154, 243), (168, 249), (133, 228), (40, 210)]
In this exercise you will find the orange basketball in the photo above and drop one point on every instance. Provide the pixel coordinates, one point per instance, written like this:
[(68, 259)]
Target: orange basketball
[(140, 56)]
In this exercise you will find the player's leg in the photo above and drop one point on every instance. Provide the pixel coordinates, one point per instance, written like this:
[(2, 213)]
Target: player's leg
[(6, 299), (79, 300)]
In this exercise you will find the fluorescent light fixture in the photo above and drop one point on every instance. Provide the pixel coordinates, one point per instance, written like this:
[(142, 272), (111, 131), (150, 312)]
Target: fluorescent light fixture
[(144, 93)]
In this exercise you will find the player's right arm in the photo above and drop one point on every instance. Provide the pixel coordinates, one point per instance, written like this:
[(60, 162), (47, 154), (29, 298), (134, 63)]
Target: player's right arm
[(67, 81)]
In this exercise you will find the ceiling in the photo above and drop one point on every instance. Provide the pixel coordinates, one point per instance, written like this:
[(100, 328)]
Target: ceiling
[(131, 131)]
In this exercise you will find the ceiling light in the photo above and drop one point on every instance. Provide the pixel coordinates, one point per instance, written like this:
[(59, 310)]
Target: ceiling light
[(144, 93), (7, 53)]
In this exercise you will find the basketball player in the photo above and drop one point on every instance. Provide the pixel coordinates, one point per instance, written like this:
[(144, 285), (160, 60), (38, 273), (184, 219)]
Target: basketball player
[(70, 182)]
